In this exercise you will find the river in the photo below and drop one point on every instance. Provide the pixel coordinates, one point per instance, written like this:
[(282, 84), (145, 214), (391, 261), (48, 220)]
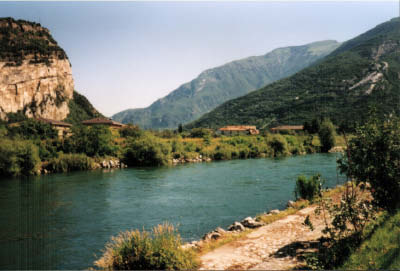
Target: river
[(60, 221)]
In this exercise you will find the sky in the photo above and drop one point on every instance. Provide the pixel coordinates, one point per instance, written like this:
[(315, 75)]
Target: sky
[(129, 54)]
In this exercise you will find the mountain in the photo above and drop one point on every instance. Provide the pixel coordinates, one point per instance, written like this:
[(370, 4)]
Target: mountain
[(363, 72), (215, 86), (36, 77)]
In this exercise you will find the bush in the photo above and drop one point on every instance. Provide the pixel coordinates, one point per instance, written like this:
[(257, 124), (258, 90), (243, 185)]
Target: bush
[(308, 188), (32, 129), (279, 145), (93, 141), (70, 162), (327, 135), (200, 132), (375, 158), (130, 131), (158, 250), (147, 151), (18, 158)]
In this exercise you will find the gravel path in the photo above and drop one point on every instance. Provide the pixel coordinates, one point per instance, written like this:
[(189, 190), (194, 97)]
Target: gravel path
[(279, 245)]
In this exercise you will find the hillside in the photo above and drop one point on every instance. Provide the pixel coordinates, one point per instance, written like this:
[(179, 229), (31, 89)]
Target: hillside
[(215, 86), (362, 72), (81, 109)]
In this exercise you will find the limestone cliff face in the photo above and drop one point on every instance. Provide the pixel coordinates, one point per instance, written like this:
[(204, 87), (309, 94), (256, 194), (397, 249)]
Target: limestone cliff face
[(37, 90), (35, 74)]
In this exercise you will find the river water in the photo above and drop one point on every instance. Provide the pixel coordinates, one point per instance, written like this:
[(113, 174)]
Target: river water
[(61, 221)]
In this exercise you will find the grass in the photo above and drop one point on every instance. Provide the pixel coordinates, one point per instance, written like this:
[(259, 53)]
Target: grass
[(381, 250), (225, 239), (156, 250)]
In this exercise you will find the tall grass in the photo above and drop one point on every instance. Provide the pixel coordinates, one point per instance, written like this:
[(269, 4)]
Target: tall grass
[(156, 250), (70, 162)]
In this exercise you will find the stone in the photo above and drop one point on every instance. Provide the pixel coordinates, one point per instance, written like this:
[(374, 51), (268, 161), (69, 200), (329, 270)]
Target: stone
[(249, 222), (38, 89), (212, 236), (274, 212), (236, 226), (290, 204)]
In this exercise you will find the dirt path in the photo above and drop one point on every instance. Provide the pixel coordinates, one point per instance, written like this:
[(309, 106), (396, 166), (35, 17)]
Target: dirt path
[(278, 245)]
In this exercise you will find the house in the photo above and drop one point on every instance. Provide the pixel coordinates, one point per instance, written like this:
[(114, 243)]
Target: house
[(287, 128), (63, 128), (238, 130), (103, 121)]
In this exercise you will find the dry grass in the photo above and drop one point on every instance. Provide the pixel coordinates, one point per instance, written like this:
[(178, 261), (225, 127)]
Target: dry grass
[(210, 245)]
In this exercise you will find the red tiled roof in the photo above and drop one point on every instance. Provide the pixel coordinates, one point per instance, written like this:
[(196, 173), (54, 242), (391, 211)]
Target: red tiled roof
[(54, 122), (102, 121), (238, 128), (288, 127)]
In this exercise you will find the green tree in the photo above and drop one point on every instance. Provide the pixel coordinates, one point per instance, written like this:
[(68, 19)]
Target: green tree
[(92, 141), (146, 151), (327, 135), (374, 157), (180, 128)]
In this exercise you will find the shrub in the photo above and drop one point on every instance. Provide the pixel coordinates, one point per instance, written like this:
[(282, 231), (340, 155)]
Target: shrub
[(308, 188), (130, 131), (374, 157), (279, 145), (93, 141), (70, 162), (327, 135), (147, 151), (32, 129), (156, 250), (18, 158), (200, 132)]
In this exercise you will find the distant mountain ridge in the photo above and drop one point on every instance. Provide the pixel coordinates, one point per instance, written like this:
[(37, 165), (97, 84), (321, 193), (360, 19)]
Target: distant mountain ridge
[(363, 72), (215, 86)]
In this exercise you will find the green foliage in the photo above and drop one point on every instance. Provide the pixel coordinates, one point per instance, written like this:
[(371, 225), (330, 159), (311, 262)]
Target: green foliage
[(215, 86), (16, 43), (279, 145), (80, 109), (308, 188), (156, 250), (16, 117), (374, 157), (69, 162), (32, 129), (146, 151), (381, 251), (326, 135), (200, 132), (345, 224), (18, 158), (130, 131), (327, 89), (96, 140)]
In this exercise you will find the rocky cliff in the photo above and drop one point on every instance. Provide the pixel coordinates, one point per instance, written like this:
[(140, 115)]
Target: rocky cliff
[(35, 73)]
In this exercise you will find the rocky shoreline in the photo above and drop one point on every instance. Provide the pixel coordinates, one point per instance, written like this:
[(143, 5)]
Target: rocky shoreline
[(235, 228)]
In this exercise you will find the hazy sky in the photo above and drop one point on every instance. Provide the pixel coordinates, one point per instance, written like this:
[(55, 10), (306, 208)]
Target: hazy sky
[(128, 54)]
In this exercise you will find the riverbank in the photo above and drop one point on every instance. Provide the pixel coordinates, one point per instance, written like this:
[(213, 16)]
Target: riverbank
[(277, 240)]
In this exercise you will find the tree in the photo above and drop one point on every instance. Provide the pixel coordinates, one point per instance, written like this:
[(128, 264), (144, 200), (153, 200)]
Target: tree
[(374, 157), (180, 128), (326, 135), (92, 141)]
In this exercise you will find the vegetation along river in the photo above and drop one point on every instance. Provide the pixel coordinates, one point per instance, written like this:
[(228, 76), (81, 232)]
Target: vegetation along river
[(61, 221)]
